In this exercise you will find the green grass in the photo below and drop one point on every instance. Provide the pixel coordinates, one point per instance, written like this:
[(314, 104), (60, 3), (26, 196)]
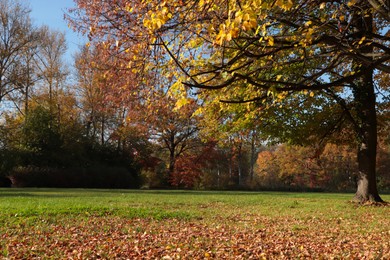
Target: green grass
[(19, 204), (24, 213), (175, 204)]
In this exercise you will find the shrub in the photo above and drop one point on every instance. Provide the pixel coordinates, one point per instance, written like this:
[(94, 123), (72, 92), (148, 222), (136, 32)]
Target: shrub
[(112, 177)]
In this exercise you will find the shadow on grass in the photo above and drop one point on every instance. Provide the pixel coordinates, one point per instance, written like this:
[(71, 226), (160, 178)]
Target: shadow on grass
[(76, 192), (35, 192)]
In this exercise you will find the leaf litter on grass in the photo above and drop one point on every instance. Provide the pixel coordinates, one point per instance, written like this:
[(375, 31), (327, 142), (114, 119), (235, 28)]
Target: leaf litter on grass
[(114, 237)]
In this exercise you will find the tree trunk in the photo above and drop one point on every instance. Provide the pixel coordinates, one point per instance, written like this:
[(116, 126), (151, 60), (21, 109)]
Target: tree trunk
[(365, 104), (253, 156), (239, 163), (366, 181), (103, 129), (172, 155), (171, 168)]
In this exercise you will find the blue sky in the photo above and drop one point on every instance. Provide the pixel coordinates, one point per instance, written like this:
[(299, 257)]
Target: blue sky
[(51, 13)]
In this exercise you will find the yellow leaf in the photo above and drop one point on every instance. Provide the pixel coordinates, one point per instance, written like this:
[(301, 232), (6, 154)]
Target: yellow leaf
[(159, 23), (235, 32), (284, 4), (228, 37), (351, 3), (147, 23), (271, 91), (252, 23), (281, 95), (270, 41), (129, 9), (164, 10)]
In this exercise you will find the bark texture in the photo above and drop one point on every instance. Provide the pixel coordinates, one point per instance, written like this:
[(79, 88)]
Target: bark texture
[(365, 104)]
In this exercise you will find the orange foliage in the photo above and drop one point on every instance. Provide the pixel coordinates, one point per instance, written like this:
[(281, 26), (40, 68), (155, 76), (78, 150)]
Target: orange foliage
[(191, 167), (297, 166)]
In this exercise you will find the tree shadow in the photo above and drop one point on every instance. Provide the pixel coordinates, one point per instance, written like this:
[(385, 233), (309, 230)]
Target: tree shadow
[(79, 192), (34, 193)]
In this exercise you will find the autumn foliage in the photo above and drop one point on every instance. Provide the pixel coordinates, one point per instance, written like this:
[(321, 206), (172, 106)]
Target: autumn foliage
[(332, 168), (263, 56), (191, 168), (207, 94), (295, 166)]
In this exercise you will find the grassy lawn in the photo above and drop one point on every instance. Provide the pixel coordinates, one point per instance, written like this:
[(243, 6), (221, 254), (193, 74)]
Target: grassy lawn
[(82, 224)]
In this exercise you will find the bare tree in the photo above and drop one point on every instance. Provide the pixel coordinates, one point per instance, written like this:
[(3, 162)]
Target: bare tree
[(16, 36), (50, 66)]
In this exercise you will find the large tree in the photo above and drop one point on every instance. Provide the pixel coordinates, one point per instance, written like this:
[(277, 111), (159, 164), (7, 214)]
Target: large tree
[(254, 50)]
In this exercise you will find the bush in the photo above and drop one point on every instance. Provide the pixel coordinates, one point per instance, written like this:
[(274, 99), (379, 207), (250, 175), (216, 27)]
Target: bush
[(92, 177), (5, 182)]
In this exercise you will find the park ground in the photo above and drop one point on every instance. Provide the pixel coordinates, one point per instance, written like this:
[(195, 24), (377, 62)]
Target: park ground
[(130, 224)]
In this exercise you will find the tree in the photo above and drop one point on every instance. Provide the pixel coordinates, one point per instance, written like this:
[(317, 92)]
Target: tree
[(91, 89), (109, 86), (312, 43), (44, 69), (264, 49), (41, 133), (17, 35), (49, 60), (299, 167), (174, 130)]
